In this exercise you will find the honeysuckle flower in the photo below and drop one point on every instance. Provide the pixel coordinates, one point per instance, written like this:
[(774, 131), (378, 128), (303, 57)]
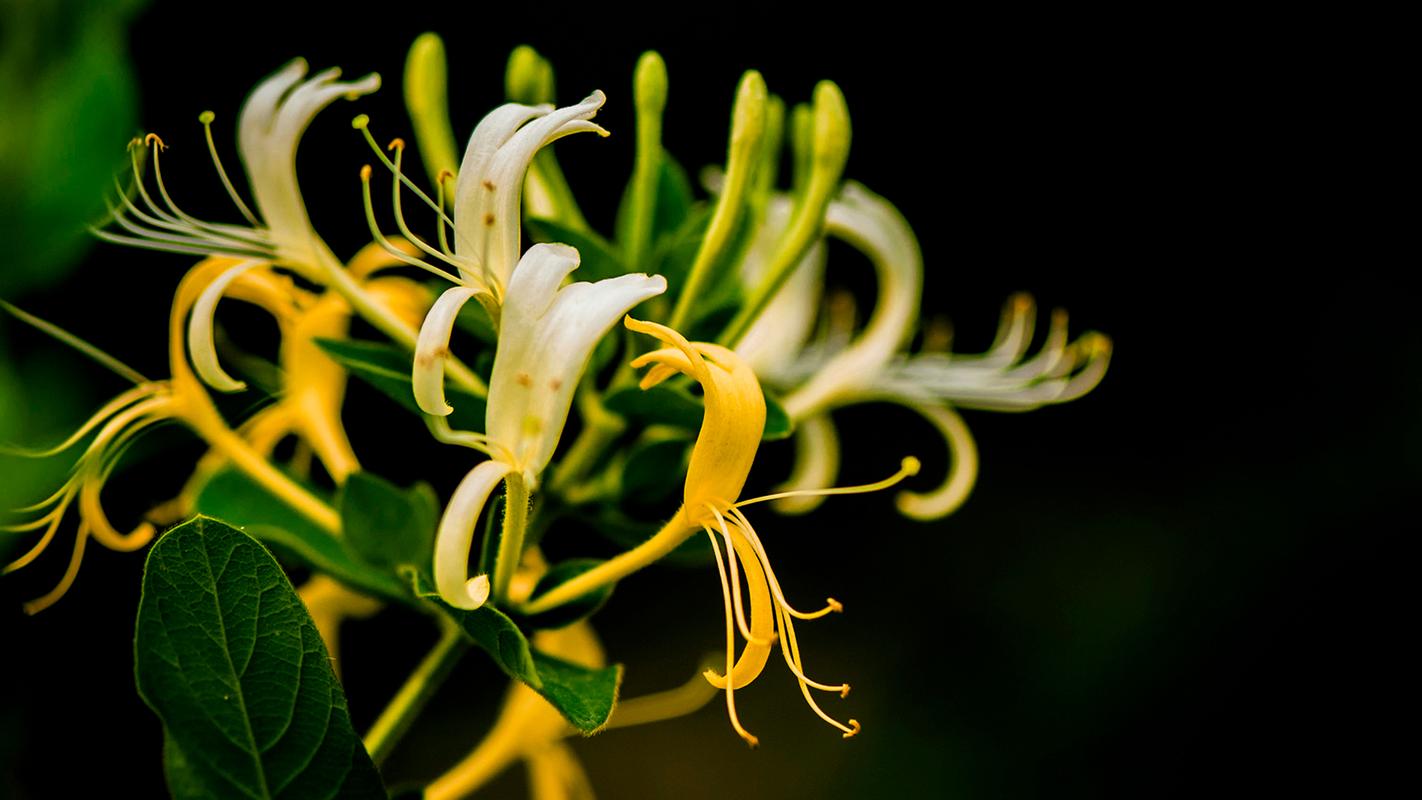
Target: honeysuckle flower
[(270, 127), (841, 369), (545, 341), (181, 398), (721, 459), (486, 222)]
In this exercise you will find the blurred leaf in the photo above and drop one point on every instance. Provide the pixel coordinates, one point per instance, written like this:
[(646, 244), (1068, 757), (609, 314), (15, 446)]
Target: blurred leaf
[(473, 319), (599, 258), (673, 203), (68, 100), (387, 368), (231, 496), (659, 405), (674, 253), (778, 424), (626, 532), (571, 612), (385, 525), (227, 657), (583, 695), (654, 469)]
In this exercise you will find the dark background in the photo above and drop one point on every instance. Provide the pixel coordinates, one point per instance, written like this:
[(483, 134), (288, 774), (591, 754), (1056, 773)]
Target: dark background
[(1187, 581)]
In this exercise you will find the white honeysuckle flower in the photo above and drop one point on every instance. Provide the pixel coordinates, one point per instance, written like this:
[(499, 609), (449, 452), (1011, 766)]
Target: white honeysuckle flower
[(269, 130), (772, 346), (871, 366), (489, 187), (545, 340)]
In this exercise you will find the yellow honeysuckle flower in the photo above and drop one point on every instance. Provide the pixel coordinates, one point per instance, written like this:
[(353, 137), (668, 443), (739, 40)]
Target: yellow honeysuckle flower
[(546, 339), (180, 398), (720, 463)]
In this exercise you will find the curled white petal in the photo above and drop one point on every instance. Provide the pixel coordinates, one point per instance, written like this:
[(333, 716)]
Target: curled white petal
[(816, 465), (269, 129), (201, 345), (487, 222), (873, 225), (962, 472), (456, 536), (546, 335), (432, 350)]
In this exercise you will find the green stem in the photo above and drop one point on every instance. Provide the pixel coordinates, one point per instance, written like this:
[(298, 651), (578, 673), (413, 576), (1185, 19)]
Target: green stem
[(511, 538), (407, 704)]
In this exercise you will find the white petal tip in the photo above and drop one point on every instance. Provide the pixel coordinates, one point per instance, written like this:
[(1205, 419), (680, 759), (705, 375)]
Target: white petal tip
[(476, 593)]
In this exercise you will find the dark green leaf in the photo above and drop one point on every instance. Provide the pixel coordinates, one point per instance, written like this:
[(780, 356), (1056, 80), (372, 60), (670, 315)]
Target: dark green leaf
[(231, 496), (388, 369), (474, 320), (568, 613), (673, 202), (599, 257), (385, 525), (778, 424), (583, 695), (654, 469), (659, 405), (227, 657)]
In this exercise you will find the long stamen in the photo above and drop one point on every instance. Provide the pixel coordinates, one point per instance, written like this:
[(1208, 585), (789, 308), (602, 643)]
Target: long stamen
[(215, 237), (362, 124), (730, 650), (109, 409), (440, 428), (385, 243), (398, 145), (832, 606), (70, 573), (106, 360), (134, 150), (439, 213), (56, 517), (206, 118), (907, 469), (158, 146), (793, 651), (736, 587)]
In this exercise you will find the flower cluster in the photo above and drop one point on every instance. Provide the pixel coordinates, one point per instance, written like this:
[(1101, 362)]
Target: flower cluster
[(733, 321)]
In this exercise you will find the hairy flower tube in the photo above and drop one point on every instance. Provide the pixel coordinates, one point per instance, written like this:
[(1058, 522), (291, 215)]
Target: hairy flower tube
[(544, 345), (720, 463)]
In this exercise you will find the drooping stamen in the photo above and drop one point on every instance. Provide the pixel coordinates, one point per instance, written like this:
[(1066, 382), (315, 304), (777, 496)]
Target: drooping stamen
[(385, 244), (440, 428), (962, 472), (792, 652), (54, 519), (907, 469), (832, 606), (730, 651), (398, 145), (109, 409), (70, 573), (206, 119), (735, 580)]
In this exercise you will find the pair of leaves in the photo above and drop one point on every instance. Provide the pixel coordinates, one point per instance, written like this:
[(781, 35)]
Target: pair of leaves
[(227, 657)]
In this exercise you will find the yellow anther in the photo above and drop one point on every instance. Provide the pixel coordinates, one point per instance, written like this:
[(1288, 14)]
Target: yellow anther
[(834, 605), (444, 175), (365, 172), (206, 117), (153, 138), (396, 144), (843, 693), (360, 122), (854, 723)]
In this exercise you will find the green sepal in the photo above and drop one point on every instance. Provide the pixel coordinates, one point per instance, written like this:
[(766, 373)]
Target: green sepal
[(227, 657)]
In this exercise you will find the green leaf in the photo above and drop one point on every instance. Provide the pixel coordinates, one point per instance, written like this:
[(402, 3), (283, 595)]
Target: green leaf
[(227, 657), (385, 525), (599, 257), (659, 405), (674, 198), (231, 496), (583, 695), (568, 613), (655, 469), (664, 405), (387, 368), (778, 424)]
